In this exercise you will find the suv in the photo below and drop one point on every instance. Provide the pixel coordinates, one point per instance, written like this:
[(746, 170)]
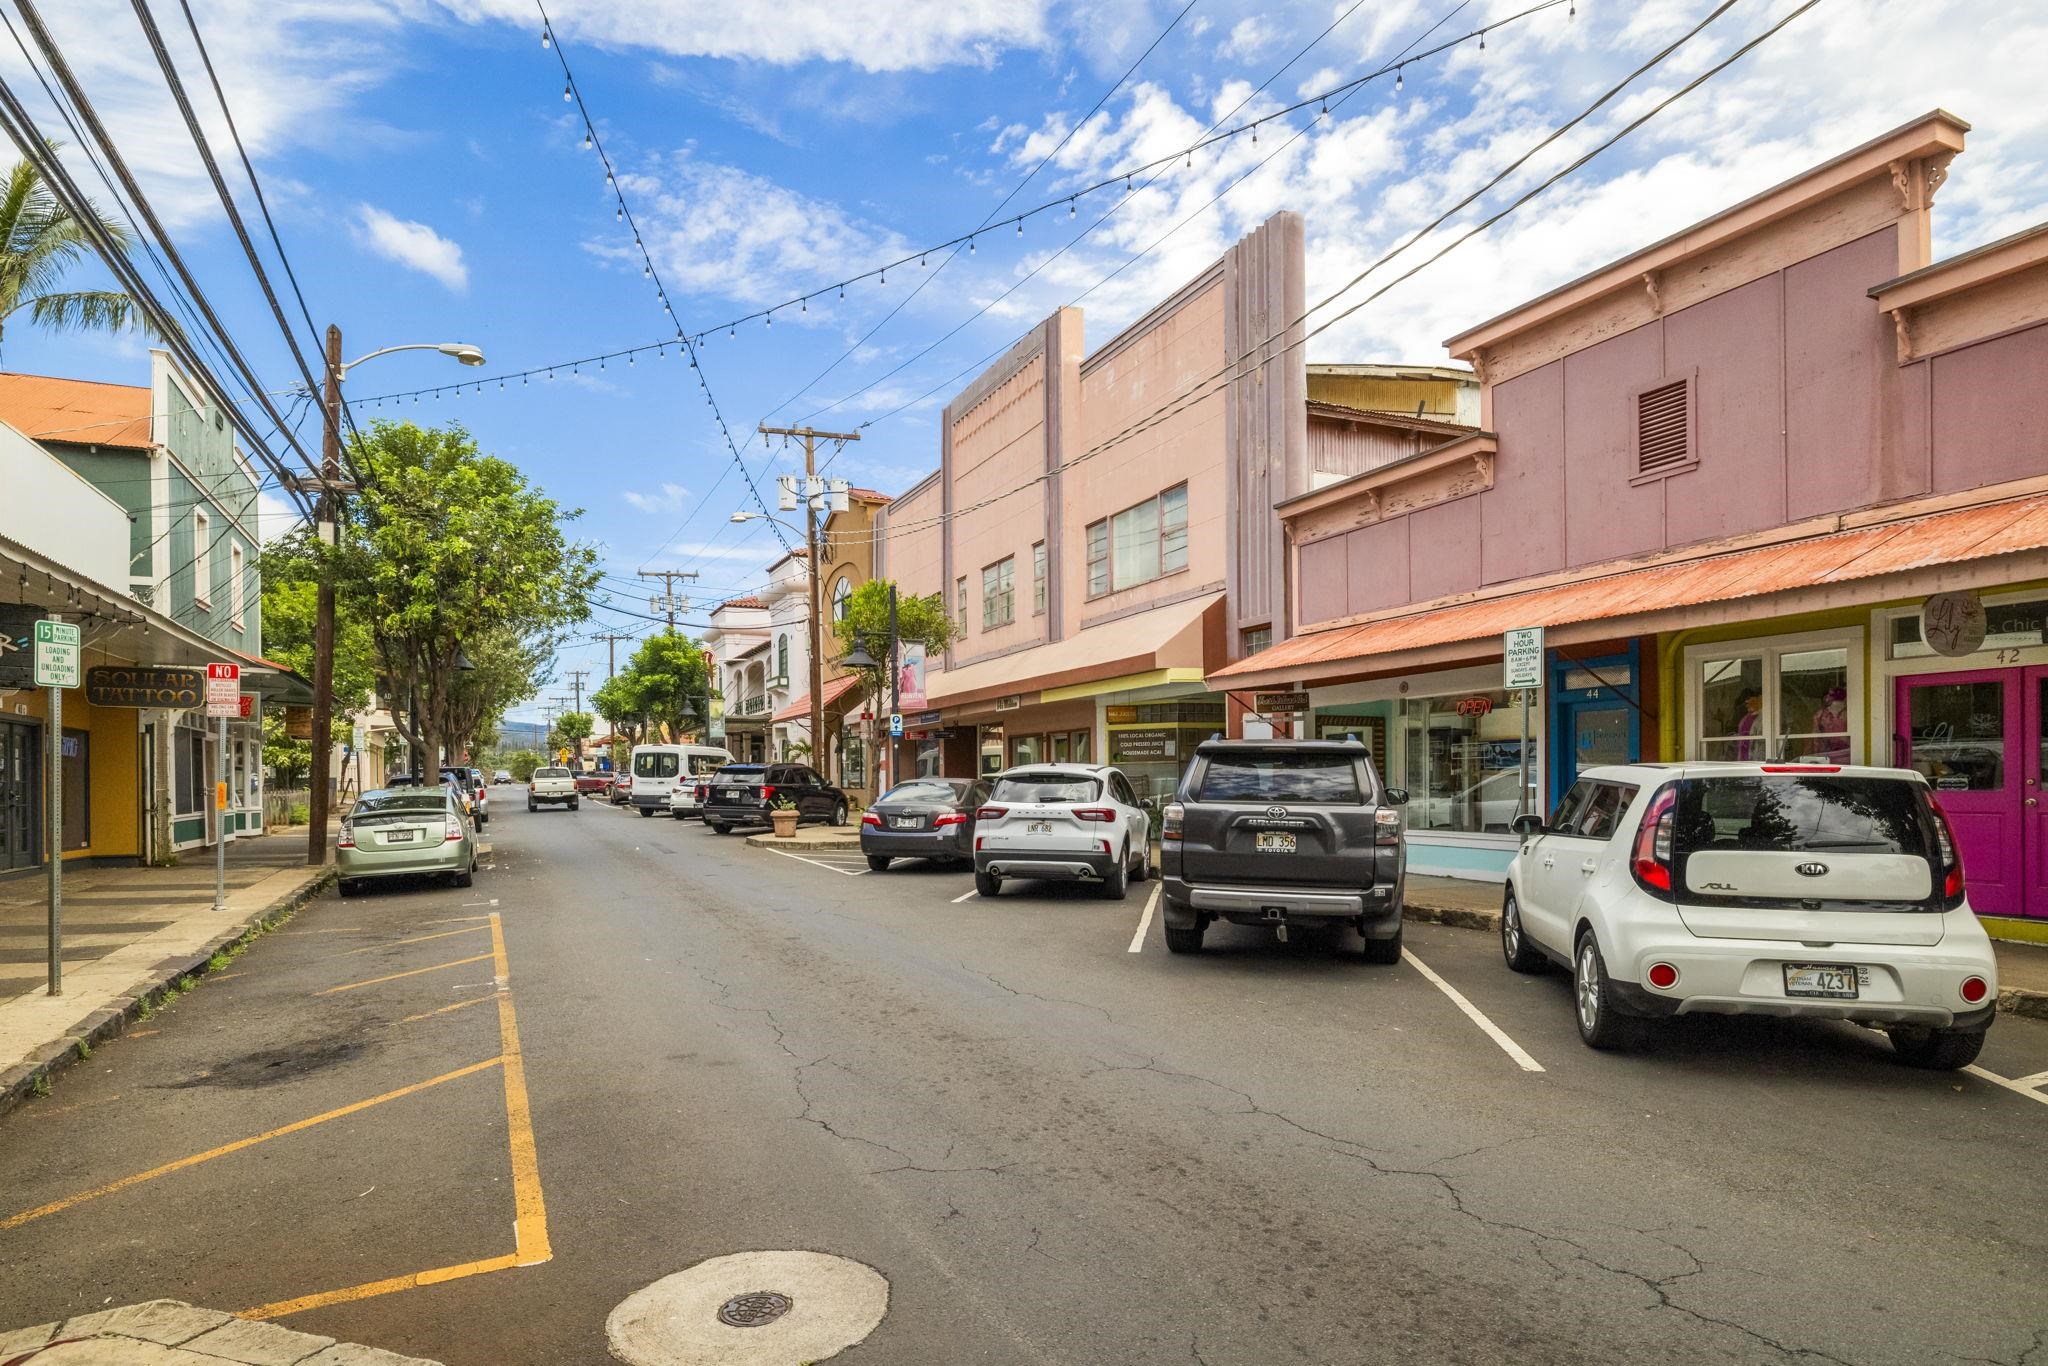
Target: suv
[(1819, 890), (470, 781), (1062, 822), (1284, 833), (743, 794)]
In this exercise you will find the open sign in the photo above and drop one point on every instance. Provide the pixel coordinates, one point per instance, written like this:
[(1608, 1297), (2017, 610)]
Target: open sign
[(1475, 706)]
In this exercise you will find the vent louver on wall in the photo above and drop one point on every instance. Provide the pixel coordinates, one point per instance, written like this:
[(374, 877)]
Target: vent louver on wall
[(1664, 428)]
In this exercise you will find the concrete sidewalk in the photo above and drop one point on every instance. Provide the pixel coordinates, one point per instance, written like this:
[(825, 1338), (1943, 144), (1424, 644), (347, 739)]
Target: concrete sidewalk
[(172, 1333), (128, 933), (810, 838)]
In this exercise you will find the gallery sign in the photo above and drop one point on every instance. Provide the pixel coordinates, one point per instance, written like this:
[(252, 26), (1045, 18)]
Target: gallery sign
[(121, 685)]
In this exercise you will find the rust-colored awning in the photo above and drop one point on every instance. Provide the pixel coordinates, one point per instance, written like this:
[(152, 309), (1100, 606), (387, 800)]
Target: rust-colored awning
[(1935, 538), (834, 689)]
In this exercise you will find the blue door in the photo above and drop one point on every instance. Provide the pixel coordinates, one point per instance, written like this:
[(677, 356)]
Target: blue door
[(1594, 717)]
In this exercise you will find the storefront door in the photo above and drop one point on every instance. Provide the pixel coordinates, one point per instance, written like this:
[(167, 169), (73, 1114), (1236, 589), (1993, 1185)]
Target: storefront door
[(21, 833), (1978, 737), (1594, 733)]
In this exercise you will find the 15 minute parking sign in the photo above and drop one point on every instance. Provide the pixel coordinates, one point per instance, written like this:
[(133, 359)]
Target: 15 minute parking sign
[(56, 654)]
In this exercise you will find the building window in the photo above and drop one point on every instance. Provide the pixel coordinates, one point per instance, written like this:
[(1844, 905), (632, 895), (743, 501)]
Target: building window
[(782, 657), (842, 591), (1462, 761), (1257, 638), (998, 593), (1781, 703), (853, 760), (202, 558), (235, 591), (1038, 579), (189, 772), (960, 602), (1140, 543), (1664, 429)]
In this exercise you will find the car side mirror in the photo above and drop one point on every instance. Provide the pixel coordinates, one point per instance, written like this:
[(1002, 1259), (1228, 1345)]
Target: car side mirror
[(1526, 825), (1397, 796)]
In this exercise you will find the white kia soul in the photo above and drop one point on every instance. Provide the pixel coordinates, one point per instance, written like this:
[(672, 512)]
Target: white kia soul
[(1742, 888)]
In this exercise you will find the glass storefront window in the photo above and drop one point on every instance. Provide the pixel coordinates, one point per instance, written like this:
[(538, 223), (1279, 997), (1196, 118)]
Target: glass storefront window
[(1732, 708), (1462, 757), (1813, 705), (1957, 735), (1786, 699), (931, 758), (1027, 749), (853, 760)]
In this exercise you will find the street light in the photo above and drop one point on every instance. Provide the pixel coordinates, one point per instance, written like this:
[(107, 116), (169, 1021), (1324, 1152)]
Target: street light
[(325, 516)]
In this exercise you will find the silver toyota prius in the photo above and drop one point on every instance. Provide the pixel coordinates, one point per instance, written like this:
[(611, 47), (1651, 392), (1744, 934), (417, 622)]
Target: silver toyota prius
[(405, 832)]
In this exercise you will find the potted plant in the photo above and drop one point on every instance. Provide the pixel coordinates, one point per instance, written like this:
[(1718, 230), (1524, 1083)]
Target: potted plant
[(782, 811)]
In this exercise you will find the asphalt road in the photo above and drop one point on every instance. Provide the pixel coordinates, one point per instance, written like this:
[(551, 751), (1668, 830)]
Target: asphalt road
[(634, 1045)]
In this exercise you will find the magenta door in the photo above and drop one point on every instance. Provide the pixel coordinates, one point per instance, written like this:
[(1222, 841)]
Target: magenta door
[(1964, 732), (2033, 816)]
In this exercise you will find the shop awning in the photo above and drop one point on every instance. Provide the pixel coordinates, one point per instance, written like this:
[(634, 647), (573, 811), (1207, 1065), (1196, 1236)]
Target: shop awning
[(834, 689), (1163, 638), (1867, 552)]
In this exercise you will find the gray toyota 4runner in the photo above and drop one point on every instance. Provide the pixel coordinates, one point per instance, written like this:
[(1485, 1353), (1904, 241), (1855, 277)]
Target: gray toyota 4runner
[(1284, 833)]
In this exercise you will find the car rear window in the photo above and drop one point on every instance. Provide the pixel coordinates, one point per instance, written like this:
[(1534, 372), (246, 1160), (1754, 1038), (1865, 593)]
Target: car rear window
[(742, 771), (1046, 787), (1304, 778), (393, 803), (656, 765), (551, 773), (928, 790), (701, 764), (1800, 812)]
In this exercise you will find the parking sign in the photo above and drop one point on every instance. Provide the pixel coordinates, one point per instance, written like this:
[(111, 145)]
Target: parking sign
[(224, 690), (56, 654), (1522, 658)]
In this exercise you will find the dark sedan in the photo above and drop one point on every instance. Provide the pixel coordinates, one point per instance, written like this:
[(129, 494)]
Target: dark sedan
[(923, 818), (743, 794)]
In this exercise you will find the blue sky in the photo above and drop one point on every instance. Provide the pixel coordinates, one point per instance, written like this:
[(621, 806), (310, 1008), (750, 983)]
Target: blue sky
[(431, 185)]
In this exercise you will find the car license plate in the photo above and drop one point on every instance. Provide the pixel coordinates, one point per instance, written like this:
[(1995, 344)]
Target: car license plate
[(1275, 842), (1038, 828), (1833, 981), (907, 823), (400, 836)]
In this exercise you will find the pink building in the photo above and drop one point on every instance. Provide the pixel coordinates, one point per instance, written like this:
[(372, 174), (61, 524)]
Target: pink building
[(1775, 486)]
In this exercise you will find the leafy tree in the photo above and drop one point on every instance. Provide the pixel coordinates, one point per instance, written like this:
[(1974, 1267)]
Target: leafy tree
[(448, 555), (288, 567), (575, 728), (919, 621), (520, 762), (618, 701), (668, 683), (39, 243)]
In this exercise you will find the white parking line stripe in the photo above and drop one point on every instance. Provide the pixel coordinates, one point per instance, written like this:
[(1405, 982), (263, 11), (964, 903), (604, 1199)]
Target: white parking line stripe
[(1477, 1016), (844, 872), (1145, 921), (967, 897), (2030, 1082), (2008, 1083)]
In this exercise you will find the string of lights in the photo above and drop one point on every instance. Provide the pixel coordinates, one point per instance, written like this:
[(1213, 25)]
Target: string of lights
[(1123, 180), (572, 94)]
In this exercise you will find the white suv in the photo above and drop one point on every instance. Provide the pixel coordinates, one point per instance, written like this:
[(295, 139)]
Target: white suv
[(1062, 822), (1740, 888)]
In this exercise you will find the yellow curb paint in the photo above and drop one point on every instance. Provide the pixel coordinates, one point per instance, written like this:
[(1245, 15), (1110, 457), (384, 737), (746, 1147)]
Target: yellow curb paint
[(429, 1014), (418, 939), (393, 977), (388, 1286), (26, 1216), (530, 1220)]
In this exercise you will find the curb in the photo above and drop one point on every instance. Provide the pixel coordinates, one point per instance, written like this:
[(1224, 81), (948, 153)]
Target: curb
[(2020, 1001), (768, 841), (110, 1022)]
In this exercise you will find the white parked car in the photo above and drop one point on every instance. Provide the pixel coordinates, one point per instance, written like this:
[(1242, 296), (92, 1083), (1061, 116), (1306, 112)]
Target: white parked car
[(1742, 888), (1062, 822)]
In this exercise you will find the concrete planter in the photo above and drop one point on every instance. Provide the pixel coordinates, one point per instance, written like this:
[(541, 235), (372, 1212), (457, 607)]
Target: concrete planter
[(785, 824)]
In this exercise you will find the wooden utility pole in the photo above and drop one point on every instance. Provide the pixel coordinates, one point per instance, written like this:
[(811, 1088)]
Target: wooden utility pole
[(611, 662), (811, 437), (668, 602), (327, 513), (576, 677)]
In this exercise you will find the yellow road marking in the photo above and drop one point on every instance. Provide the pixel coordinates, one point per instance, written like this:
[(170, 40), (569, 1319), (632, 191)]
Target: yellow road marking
[(392, 977), (530, 1221), (419, 939), (142, 1033), (390, 1285), (16, 1221), (428, 1014), (451, 919)]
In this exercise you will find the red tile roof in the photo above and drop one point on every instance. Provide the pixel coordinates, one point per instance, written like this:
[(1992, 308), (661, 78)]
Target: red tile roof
[(800, 710), (739, 602), (76, 411), (870, 496)]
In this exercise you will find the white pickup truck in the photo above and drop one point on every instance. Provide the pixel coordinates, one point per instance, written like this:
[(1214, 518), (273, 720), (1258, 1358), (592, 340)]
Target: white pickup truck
[(551, 787)]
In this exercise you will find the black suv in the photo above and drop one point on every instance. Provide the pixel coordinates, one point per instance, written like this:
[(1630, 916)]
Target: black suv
[(1284, 833), (743, 794)]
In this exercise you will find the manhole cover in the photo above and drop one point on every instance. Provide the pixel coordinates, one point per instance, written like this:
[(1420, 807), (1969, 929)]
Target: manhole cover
[(753, 1310)]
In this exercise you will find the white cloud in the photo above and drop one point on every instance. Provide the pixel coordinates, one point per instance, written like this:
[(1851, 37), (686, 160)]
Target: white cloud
[(669, 498), (1248, 38), (413, 245)]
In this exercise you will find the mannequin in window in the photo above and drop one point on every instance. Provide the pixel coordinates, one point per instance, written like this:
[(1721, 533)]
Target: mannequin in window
[(1749, 723), (1832, 721)]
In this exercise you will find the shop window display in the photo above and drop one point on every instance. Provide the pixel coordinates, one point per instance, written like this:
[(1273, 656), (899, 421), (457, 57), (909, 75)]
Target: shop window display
[(1462, 758), (1776, 704)]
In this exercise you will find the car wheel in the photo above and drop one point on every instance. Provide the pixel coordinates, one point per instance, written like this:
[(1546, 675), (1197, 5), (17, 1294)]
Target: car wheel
[(574, 805), (719, 827), (533, 806), (1522, 955), (1142, 869), (348, 886), (1185, 941), (646, 810), (1937, 1050), (1118, 883), (839, 814), (878, 863), (466, 877), (1600, 1024), (987, 885), (1383, 951)]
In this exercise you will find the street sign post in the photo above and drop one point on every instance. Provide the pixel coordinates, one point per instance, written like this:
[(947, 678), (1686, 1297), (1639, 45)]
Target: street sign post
[(223, 702), (1521, 653), (56, 668), (895, 725)]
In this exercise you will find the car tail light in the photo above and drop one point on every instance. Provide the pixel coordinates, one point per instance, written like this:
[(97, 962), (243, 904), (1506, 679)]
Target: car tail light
[(1662, 975), (870, 818), (950, 818), (1975, 989), (1951, 855), (977, 844), (1105, 846), (1170, 822), (991, 813), (1651, 861), (348, 837), (1094, 813), (767, 792), (1386, 826), (454, 830), (702, 790)]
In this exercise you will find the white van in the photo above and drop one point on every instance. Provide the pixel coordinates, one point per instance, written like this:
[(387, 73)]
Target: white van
[(659, 770)]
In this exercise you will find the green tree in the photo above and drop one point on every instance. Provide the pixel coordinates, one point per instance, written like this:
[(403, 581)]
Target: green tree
[(39, 244), (520, 762), (288, 567), (447, 556), (618, 701), (668, 683), (575, 727), (919, 621)]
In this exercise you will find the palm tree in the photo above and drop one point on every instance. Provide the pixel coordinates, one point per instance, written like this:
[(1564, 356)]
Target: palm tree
[(39, 242)]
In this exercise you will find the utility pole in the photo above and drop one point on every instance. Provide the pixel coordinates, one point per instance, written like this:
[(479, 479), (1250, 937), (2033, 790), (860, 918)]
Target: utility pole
[(576, 677), (327, 513), (669, 602), (811, 437), (611, 663)]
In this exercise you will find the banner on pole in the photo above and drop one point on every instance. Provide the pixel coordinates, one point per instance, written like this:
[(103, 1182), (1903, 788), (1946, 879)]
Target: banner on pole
[(910, 685)]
